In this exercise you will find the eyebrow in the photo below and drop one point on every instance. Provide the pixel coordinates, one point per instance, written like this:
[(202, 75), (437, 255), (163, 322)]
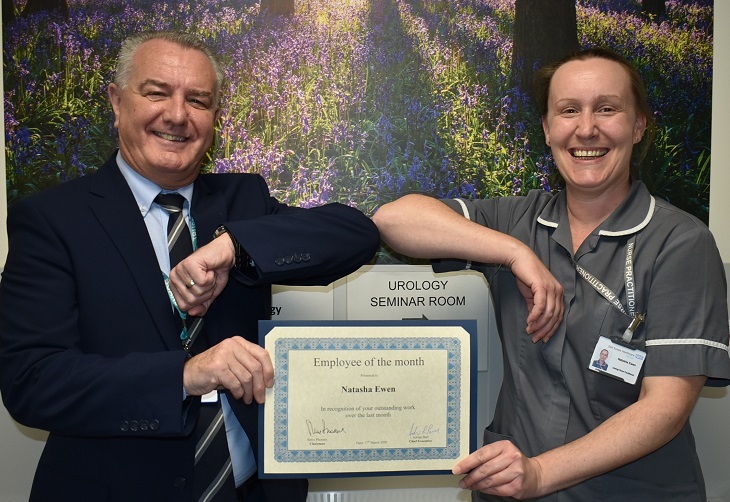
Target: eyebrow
[(596, 98), (160, 83)]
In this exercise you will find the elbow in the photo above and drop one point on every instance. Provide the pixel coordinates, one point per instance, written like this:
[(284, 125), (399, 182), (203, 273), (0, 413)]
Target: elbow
[(18, 408), (390, 218), (381, 216), (385, 219)]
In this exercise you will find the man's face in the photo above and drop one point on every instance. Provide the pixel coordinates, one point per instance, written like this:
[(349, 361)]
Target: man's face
[(166, 113)]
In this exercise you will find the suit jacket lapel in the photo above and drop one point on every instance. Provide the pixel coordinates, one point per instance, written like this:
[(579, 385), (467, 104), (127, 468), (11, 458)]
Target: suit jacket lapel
[(112, 202)]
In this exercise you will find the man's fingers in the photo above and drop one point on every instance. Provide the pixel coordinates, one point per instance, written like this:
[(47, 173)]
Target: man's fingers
[(242, 367), (200, 294), (255, 370)]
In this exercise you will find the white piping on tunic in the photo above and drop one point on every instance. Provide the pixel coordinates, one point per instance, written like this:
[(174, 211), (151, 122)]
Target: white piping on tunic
[(638, 227), (547, 223), (687, 341), (465, 210), (612, 233)]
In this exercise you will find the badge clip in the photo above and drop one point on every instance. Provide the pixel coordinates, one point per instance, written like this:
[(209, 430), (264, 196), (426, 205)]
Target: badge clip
[(625, 340)]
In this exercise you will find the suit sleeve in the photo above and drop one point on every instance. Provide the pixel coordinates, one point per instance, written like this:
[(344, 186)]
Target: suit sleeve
[(314, 246)]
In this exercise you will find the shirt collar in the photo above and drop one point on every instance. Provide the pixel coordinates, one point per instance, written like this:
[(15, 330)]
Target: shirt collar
[(633, 214), (144, 190)]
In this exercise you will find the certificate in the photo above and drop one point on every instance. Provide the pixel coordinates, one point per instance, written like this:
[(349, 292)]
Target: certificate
[(367, 398)]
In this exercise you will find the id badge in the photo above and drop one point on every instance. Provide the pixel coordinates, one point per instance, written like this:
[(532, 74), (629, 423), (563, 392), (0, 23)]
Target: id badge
[(616, 360), (210, 397)]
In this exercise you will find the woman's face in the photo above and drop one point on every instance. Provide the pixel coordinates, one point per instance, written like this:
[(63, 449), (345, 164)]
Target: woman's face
[(591, 124)]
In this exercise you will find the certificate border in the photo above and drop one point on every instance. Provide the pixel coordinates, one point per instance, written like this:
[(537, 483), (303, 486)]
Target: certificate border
[(452, 448)]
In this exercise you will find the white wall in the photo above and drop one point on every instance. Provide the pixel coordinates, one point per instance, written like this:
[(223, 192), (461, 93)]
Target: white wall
[(20, 446), (710, 417)]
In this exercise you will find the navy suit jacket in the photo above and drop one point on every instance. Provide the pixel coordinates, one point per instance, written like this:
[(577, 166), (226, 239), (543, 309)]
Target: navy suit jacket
[(89, 347)]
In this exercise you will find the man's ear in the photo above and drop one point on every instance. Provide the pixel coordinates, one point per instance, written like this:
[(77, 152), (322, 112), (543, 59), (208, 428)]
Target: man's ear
[(115, 98)]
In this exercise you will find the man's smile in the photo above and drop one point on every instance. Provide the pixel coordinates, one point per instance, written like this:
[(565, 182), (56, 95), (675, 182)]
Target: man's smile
[(169, 137)]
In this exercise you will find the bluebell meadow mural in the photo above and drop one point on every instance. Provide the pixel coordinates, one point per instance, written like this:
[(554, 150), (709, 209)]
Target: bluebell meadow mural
[(355, 101)]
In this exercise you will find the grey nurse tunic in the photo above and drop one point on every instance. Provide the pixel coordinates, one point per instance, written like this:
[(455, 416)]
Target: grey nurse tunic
[(549, 396)]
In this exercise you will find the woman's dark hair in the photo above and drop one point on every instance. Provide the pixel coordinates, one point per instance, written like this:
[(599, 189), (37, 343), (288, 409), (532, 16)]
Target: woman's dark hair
[(543, 77)]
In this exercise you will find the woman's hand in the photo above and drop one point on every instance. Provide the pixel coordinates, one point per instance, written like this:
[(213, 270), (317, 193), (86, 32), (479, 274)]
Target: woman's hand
[(542, 292), (501, 469)]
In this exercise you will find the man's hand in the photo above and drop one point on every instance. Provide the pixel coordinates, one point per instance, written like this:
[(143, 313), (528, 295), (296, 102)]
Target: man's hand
[(500, 469), (242, 367), (200, 278)]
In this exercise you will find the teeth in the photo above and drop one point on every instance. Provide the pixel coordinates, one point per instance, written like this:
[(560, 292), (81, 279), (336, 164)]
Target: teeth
[(170, 137), (589, 153)]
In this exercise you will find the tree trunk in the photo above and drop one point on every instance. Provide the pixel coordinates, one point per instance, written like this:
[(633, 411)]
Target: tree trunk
[(8, 12), (277, 7), (544, 31), (653, 9), (34, 6)]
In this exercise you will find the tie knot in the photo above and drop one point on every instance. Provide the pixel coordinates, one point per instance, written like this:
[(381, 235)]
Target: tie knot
[(170, 202)]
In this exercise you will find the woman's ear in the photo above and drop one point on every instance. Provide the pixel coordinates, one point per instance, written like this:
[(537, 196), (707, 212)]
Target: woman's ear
[(639, 128)]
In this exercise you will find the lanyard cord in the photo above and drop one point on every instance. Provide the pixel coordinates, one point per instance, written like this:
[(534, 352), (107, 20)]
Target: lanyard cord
[(611, 297)]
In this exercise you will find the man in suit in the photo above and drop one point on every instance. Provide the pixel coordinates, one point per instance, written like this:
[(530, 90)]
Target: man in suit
[(90, 312)]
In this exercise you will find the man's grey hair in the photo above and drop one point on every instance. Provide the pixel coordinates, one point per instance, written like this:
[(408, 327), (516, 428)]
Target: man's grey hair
[(125, 64)]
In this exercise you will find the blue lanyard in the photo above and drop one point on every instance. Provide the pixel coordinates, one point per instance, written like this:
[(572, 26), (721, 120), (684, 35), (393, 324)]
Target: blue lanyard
[(184, 336)]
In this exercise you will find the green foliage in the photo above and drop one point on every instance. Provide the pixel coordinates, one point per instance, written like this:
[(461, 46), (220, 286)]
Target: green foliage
[(357, 101)]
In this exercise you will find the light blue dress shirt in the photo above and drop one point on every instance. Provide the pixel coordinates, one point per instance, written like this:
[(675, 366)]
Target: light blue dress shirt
[(145, 191)]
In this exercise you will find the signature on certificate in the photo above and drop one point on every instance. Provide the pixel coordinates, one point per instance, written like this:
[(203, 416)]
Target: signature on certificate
[(423, 430), (323, 430)]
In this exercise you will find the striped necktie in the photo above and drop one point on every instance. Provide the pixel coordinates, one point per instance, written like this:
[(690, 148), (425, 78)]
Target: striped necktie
[(180, 246), (213, 478), (179, 242)]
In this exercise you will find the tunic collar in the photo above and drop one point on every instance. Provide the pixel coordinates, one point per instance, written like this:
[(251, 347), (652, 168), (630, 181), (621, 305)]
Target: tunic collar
[(632, 215)]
